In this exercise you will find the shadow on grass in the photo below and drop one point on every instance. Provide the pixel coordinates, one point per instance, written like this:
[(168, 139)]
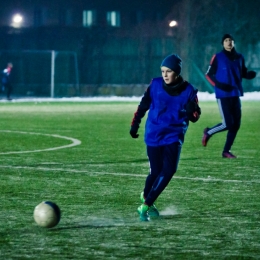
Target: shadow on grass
[(88, 226), (136, 221)]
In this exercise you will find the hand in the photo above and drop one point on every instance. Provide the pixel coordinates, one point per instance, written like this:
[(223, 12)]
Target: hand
[(192, 106), (224, 86), (196, 117), (251, 74), (133, 132), (193, 111)]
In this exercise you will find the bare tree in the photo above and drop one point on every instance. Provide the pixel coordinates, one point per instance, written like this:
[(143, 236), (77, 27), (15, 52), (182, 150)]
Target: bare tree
[(201, 25)]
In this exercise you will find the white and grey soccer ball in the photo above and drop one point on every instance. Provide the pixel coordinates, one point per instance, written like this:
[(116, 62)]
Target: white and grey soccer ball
[(47, 214)]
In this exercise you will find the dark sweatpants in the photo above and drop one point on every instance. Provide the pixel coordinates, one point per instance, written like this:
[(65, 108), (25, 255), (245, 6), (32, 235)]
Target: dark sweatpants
[(8, 88), (163, 164), (230, 111)]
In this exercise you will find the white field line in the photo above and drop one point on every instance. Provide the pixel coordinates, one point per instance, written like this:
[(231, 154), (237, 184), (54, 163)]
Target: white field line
[(124, 174), (74, 141)]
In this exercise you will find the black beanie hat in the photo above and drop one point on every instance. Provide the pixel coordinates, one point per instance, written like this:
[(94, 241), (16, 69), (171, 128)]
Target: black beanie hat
[(173, 62), (225, 36)]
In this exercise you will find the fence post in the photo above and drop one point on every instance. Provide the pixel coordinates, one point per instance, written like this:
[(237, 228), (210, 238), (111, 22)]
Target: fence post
[(52, 72)]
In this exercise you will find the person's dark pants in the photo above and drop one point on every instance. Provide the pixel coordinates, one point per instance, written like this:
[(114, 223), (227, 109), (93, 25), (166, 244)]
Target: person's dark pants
[(163, 164), (230, 111), (8, 89)]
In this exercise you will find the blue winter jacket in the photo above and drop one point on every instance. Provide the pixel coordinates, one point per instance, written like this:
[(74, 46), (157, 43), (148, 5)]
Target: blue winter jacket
[(229, 72), (167, 120), (225, 73)]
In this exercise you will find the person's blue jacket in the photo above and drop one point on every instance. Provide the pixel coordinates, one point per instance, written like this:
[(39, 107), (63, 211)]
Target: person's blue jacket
[(225, 73), (229, 72), (167, 120), (5, 77)]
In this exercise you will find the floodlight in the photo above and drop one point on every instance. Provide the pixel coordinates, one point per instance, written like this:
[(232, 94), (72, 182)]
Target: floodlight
[(173, 23), (17, 20)]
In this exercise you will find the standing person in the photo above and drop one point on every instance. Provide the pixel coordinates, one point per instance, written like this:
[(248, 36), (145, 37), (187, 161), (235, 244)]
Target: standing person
[(6, 81), (225, 73), (172, 102)]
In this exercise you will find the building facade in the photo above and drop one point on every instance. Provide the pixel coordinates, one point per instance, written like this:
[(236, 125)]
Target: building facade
[(124, 14)]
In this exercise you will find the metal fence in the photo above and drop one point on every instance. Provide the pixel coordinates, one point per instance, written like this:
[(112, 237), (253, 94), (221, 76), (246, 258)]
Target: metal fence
[(113, 66)]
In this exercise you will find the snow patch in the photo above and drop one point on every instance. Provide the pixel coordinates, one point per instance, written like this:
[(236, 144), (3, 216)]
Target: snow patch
[(203, 96)]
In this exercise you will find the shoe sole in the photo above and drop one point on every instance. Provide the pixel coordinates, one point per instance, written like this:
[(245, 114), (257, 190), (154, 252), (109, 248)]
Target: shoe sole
[(229, 157)]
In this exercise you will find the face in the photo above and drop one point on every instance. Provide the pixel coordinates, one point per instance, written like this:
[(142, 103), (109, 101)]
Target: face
[(228, 44), (9, 66), (169, 76)]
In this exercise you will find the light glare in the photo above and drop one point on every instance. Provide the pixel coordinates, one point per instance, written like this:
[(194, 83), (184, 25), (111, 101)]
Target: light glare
[(17, 18), (172, 23)]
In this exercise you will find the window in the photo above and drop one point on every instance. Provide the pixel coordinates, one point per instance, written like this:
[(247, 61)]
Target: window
[(113, 18), (89, 18), (65, 17)]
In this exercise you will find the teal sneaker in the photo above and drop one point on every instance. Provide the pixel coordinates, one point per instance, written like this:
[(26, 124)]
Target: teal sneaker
[(153, 211), (143, 212), (142, 197)]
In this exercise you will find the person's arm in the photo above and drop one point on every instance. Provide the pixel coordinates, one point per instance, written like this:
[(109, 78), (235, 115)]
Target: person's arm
[(4, 77), (245, 73), (140, 113), (211, 72), (193, 110)]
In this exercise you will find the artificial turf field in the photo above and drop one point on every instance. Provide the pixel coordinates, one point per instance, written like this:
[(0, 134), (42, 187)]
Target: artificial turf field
[(81, 156)]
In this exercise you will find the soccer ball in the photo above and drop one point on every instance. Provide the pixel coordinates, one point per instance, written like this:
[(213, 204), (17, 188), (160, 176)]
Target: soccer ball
[(47, 214)]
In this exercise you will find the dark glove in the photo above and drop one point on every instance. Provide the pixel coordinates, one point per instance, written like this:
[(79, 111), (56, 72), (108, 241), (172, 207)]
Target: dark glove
[(251, 74), (133, 132), (224, 86), (193, 111)]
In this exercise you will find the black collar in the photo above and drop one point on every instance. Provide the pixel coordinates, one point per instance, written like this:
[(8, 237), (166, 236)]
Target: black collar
[(232, 55), (176, 88)]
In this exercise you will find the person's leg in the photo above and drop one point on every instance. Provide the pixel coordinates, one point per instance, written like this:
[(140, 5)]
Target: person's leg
[(8, 91), (223, 107), (171, 156), (224, 110), (234, 124), (155, 156)]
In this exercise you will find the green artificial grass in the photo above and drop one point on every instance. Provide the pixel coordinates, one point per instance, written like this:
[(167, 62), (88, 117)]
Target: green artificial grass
[(210, 209)]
